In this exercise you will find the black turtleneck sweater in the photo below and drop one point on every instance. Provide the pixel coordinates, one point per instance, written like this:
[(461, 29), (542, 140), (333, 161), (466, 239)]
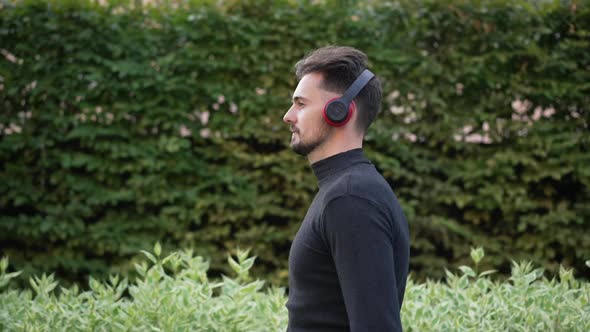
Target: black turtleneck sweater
[(348, 263)]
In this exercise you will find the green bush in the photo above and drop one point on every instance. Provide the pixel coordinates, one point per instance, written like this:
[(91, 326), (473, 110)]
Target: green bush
[(174, 294), (121, 126)]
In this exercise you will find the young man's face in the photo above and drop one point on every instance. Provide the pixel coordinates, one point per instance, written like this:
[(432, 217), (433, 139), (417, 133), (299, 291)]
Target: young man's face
[(309, 130)]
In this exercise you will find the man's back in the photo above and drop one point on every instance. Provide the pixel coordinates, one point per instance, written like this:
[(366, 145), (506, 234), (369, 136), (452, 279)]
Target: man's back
[(349, 260)]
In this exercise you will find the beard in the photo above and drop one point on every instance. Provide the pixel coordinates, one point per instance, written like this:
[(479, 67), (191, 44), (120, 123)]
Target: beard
[(306, 147)]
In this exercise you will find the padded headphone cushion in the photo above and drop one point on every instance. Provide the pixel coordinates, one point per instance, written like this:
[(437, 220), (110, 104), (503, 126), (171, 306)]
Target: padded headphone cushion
[(337, 113)]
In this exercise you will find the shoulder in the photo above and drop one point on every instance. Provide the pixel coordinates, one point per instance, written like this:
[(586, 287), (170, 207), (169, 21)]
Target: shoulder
[(364, 183), (351, 217), (362, 196)]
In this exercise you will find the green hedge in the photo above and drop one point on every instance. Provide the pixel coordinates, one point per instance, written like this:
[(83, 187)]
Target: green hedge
[(175, 294), (121, 126)]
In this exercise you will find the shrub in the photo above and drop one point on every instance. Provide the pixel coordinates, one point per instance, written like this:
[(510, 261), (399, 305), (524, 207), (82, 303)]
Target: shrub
[(174, 294), (121, 126)]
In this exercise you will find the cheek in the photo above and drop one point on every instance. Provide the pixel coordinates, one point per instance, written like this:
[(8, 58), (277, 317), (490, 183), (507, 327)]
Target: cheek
[(312, 120)]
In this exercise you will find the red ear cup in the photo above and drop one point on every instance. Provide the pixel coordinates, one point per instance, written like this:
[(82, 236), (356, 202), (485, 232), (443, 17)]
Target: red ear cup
[(337, 113)]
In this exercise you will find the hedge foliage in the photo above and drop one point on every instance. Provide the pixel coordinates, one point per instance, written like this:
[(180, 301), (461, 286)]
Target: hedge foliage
[(174, 293), (122, 125)]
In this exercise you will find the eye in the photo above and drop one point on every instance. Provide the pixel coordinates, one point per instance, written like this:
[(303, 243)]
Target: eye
[(300, 104)]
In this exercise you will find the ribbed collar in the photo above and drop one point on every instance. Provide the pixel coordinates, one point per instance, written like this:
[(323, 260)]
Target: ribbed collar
[(324, 168)]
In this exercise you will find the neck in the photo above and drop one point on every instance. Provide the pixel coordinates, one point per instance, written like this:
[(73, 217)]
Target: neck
[(338, 142)]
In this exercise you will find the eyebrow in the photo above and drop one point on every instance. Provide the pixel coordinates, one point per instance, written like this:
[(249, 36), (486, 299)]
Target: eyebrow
[(299, 98)]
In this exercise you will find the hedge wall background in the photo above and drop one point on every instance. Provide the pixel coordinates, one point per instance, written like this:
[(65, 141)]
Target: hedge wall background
[(122, 125)]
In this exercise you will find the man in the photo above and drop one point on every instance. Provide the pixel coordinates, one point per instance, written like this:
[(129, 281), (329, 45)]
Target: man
[(348, 263)]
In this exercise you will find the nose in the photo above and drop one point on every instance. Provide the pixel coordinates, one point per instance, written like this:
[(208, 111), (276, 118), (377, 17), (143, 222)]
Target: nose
[(290, 117)]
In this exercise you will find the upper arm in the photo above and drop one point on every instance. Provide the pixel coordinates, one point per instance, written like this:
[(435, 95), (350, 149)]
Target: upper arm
[(360, 237)]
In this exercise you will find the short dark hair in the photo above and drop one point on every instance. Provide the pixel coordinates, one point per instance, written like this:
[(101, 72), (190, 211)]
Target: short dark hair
[(340, 66)]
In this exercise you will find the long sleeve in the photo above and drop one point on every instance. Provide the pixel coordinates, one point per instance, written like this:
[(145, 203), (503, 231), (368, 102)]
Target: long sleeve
[(349, 261), (360, 236)]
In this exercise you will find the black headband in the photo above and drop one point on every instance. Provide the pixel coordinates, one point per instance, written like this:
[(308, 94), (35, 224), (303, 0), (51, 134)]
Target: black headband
[(357, 86)]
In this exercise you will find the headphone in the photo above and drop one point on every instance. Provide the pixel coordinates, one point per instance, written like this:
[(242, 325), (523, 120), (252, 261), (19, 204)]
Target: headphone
[(339, 110)]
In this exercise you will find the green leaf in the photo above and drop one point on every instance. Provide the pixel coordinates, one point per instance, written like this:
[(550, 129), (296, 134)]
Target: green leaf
[(488, 272), (3, 264), (477, 254), (467, 271), (234, 265), (157, 249), (150, 256)]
